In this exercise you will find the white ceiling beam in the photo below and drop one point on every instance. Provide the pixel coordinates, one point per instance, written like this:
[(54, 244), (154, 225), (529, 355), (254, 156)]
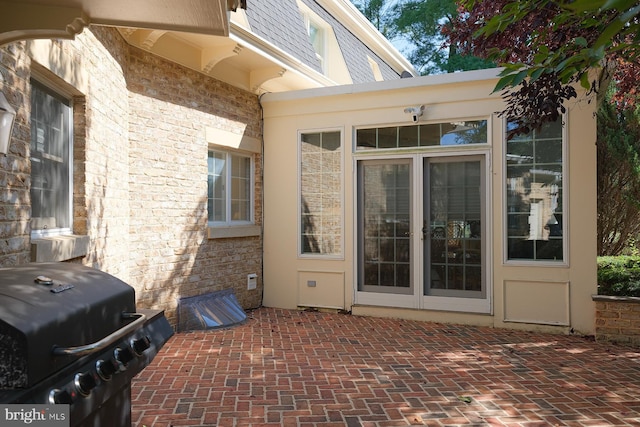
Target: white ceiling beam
[(258, 77), (211, 56), (150, 38)]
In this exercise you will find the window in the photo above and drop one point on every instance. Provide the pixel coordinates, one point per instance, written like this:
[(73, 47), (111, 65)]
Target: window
[(428, 135), (51, 165), (534, 191), (329, 56), (317, 37), (230, 198), (321, 193)]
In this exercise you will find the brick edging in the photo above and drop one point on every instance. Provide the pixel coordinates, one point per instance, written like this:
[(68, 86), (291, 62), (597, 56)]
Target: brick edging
[(615, 298)]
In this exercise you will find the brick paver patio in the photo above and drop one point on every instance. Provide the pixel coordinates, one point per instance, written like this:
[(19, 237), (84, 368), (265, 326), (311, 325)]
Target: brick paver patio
[(294, 368)]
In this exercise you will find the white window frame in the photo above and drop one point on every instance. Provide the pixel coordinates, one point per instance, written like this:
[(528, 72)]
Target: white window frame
[(227, 192), (312, 19), (331, 58), (417, 300), (565, 203), (420, 148), (68, 102), (322, 34), (306, 255)]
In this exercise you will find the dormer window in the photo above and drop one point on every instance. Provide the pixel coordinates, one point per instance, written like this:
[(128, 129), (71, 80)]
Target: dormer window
[(317, 37), (325, 44)]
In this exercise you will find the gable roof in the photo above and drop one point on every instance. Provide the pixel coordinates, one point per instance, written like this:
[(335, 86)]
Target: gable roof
[(269, 50), (281, 23), (265, 48), (354, 50)]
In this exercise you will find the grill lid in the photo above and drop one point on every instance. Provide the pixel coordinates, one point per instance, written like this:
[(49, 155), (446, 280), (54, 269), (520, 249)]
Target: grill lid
[(48, 305)]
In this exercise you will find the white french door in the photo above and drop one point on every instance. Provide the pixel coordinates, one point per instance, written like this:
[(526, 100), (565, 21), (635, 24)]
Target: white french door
[(421, 232)]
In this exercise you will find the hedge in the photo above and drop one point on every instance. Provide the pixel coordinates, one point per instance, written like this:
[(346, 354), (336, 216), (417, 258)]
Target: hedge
[(619, 276)]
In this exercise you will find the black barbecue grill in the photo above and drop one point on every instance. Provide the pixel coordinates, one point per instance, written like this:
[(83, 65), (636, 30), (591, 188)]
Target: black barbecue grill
[(71, 335)]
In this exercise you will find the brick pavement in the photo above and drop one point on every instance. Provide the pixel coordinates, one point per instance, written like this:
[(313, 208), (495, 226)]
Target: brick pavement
[(294, 368)]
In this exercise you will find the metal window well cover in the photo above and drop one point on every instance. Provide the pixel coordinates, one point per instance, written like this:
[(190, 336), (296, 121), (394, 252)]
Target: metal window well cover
[(210, 311)]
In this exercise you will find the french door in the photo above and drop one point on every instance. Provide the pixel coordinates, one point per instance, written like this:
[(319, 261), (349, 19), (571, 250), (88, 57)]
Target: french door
[(421, 233), (385, 226)]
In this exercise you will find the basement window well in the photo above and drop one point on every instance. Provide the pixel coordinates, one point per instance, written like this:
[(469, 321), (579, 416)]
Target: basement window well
[(210, 311)]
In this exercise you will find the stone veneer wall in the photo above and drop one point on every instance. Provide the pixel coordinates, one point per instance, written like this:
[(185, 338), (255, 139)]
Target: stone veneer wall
[(85, 71), (171, 256), (101, 150), (618, 319), (140, 167), (15, 205)]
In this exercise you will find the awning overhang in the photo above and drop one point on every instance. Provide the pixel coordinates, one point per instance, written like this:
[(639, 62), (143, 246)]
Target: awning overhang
[(30, 19)]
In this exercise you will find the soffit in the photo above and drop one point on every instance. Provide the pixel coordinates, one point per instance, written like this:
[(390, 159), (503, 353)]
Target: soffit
[(242, 59), (200, 34), (27, 19)]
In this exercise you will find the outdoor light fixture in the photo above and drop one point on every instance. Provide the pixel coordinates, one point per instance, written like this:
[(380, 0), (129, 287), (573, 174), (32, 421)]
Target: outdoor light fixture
[(7, 117), (415, 112)]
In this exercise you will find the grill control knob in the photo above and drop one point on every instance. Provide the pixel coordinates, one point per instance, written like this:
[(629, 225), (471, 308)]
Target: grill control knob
[(60, 397), (123, 355), (106, 369), (84, 383), (140, 345)]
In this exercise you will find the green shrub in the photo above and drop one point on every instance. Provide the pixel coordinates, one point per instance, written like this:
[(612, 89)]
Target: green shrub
[(619, 276)]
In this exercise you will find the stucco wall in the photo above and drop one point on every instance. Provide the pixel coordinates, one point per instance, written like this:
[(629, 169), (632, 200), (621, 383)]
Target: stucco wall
[(140, 166), (533, 295)]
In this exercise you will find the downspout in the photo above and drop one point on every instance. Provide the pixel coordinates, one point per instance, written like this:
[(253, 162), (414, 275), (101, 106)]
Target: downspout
[(262, 193)]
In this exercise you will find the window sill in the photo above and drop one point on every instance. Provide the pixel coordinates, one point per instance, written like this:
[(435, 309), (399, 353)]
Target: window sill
[(59, 248), (234, 231)]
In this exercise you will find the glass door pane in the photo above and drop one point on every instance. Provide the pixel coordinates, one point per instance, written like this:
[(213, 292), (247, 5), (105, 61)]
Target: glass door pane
[(452, 228), (384, 249)]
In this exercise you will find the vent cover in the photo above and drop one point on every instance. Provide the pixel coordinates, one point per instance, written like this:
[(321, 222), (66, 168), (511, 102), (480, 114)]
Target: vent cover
[(210, 311)]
